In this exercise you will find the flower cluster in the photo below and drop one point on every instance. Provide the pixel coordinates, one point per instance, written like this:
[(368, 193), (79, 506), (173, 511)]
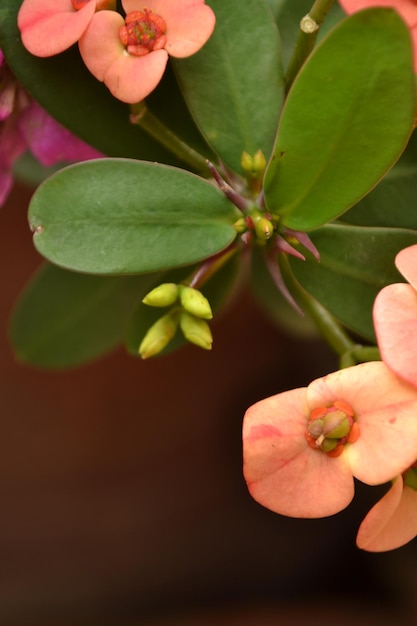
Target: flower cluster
[(129, 54), (303, 447)]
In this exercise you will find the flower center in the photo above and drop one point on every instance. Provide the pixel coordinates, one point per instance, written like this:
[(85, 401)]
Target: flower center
[(143, 32), (329, 428)]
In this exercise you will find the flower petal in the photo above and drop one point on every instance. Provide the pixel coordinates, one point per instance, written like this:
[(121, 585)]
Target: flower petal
[(395, 320), (51, 26), (406, 262), (190, 23), (385, 408), (50, 142), (132, 78), (283, 473), (392, 522), (100, 45)]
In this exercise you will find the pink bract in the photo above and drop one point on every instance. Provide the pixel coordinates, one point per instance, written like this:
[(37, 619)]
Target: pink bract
[(289, 477), (395, 319), (131, 78), (392, 522), (49, 27), (406, 8)]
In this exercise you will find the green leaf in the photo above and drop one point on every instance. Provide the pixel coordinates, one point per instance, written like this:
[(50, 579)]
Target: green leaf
[(67, 90), (393, 201), (234, 84), (356, 262), (346, 120), (119, 216), (64, 319), (218, 290)]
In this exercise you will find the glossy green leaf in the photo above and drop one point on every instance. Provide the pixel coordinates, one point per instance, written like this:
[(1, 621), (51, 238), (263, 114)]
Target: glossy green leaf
[(234, 85), (355, 264), (119, 216), (218, 290), (346, 120), (393, 201), (64, 319), (67, 90)]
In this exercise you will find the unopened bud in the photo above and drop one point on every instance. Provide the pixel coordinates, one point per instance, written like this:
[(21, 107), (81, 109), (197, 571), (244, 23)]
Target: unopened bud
[(159, 335), (240, 225), (246, 162), (194, 302), (259, 162), (264, 228), (163, 295), (196, 330)]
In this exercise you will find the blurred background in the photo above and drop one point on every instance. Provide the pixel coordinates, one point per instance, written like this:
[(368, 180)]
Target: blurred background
[(121, 492)]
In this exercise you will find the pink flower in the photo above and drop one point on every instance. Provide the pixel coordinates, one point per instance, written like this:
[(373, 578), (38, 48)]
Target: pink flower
[(303, 447), (130, 55), (25, 125), (49, 27), (406, 8), (392, 522)]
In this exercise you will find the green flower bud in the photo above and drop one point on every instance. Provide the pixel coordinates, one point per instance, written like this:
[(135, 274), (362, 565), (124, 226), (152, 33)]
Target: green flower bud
[(159, 335), (246, 162), (240, 225), (264, 228), (163, 295), (196, 330), (259, 162), (194, 302)]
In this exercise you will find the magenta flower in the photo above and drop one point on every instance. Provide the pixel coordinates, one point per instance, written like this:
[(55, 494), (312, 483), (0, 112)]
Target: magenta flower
[(303, 447), (406, 8), (130, 55), (24, 125), (49, 27), (392, 522)]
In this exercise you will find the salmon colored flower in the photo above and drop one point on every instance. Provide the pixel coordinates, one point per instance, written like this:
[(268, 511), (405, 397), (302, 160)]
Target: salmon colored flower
[(395, 319), (392, 522), (130, 55), (49, 27), (406, 8), (303, 447)]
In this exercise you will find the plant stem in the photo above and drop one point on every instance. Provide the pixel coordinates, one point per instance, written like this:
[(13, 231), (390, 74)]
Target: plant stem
[(326, 324), (141, 116), (210, 266), (309, 28)]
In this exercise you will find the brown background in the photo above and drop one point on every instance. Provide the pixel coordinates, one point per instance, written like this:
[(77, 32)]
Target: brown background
[(121, 494)]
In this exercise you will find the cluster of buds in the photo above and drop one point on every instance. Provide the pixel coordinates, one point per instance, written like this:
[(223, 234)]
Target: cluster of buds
[(189, 310)]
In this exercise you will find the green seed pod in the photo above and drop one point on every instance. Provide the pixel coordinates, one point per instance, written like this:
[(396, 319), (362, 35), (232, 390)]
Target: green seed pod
[(336, 425), (196, 330), (194, 302), (159, 335), (163, 295)]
